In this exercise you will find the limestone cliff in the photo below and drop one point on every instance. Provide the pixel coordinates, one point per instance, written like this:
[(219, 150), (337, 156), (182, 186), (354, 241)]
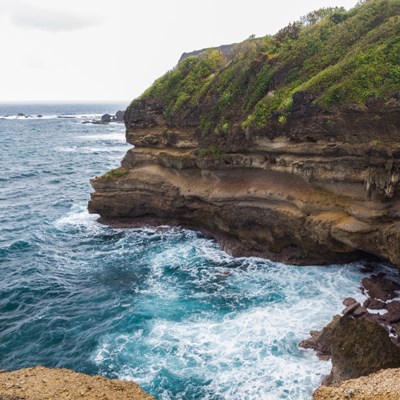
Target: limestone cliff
[(279, 151)]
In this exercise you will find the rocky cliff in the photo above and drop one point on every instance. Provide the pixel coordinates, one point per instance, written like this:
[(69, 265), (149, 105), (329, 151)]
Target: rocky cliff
[(284, 151)]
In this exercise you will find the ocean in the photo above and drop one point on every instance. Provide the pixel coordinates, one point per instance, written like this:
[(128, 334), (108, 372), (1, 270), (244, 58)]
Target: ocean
[(164, 307)]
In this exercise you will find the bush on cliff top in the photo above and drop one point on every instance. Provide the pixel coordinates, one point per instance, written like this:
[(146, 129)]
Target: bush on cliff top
[(343, 57)]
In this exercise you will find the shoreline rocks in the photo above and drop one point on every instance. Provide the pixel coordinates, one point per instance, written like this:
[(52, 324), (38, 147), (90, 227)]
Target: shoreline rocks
[(107, 118), (365, 339)]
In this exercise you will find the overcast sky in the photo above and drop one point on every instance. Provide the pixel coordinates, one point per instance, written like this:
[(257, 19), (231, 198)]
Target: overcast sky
[(114, 49)]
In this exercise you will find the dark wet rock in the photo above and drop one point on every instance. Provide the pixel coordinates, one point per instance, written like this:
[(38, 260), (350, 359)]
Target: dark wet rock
[(351, 308), (106, 118), (320, 341), (377, 318), (359, 347), (374, 304), (359, 311), (379, 287), (21, 115), (367, 268), (348, 301), (393, 312), (39, 116), (119, 116)]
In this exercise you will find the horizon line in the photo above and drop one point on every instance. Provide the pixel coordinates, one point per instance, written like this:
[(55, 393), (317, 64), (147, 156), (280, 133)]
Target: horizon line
[(62, 101)]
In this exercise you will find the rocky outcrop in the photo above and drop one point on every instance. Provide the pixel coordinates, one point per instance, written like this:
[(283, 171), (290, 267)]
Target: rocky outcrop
[(323, 188), (360, 347), (383, 385), (43, 383), (357, 347), (107, 118), (224, 49)]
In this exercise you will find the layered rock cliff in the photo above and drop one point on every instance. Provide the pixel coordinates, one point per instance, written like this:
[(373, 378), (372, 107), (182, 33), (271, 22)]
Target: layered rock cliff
[(278, 150)]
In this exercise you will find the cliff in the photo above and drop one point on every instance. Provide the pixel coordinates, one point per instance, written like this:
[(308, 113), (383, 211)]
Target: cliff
[(288, 149)]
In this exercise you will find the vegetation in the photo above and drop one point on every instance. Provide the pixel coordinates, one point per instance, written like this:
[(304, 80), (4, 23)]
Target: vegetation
[(115, 173), (342, 57), (212, 152)]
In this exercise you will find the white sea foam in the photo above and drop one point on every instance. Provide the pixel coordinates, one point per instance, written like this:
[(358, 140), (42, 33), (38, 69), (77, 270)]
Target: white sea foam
[(27, 117), (249, 351), (88, 117), (114, 136), (90, 149), (78, 217)]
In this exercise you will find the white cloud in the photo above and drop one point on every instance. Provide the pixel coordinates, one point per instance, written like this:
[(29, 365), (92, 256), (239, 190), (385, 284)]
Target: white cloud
[(48, 19), (127, 44)]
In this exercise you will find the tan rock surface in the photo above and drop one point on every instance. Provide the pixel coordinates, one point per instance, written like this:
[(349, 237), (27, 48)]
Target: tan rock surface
[(383, 385), (41, 383)]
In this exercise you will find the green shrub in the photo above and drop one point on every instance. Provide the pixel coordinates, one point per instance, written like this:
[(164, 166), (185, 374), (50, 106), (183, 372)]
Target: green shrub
[(211, 151)]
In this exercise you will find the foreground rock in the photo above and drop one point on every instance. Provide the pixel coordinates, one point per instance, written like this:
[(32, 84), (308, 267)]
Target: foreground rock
[(383, 385), (358, 347), (41, 383)]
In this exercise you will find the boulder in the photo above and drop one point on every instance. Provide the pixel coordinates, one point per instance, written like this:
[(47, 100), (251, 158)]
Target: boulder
[(106, 118), (393, 312), (119, 116), (320, 341), (381, 288), (374, 304), (359, 347)]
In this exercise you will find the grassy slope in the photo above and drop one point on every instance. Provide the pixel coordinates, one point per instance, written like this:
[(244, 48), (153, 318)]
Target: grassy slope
[(343, 57)]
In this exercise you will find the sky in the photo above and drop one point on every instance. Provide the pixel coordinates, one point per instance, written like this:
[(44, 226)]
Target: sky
[(112, 50)]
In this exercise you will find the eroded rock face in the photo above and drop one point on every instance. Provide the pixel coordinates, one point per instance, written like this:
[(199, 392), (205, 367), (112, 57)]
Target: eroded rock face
[(322, 189), (360, 347), (357, 347)]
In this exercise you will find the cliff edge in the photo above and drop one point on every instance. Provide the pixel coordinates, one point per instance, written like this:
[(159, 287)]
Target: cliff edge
[(288, 149), (42, 383)]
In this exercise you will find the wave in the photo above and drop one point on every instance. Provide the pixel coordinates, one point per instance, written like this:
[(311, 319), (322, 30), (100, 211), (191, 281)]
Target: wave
[(52, 116), (79, 218)]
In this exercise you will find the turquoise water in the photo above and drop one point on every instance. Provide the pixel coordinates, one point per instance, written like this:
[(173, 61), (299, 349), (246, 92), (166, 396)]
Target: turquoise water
[(164, 307)]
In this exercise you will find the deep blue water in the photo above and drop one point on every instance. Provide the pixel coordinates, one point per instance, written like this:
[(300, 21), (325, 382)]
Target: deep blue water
[(164, 307)]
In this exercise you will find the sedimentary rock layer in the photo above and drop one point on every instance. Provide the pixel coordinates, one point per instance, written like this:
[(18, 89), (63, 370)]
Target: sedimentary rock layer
[(324, 189)]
